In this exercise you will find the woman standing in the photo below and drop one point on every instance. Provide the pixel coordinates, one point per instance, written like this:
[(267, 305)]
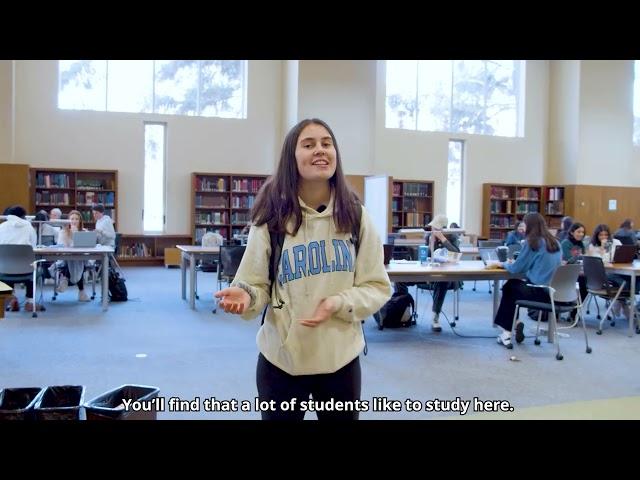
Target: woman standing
[(312, 337)]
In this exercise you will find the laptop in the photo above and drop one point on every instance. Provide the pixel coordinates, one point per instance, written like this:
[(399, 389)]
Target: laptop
[(85, 239), (624, 254), (489, 256)]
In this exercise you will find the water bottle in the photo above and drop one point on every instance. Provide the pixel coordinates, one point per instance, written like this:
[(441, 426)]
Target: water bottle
[(423, 252)]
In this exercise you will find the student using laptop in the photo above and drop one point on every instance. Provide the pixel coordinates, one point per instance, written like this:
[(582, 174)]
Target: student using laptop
[(538, 259), (72, 270), (603, 246), (104, 226)]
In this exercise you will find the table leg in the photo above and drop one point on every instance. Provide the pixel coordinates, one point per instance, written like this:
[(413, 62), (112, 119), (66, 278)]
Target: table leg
[(105, 282), (496, 297), (632, 309), (183, 274), (192, 281)]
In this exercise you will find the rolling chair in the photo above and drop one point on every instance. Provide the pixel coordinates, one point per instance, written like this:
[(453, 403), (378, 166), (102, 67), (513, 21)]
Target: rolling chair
[(230, 258), (18, 264), (599, 285), (564, 296)]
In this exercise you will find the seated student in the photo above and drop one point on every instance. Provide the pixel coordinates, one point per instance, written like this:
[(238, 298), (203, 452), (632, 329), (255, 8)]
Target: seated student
[(572, 251), (47, 230), (72, 270), (517, 235), (603, 246), (538, 260), (565, 226), (17, 230), (55, 214), (626, 234), (451, 243), (104, 226)]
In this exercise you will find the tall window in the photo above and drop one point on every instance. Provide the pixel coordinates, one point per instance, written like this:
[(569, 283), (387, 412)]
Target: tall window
[(154, 178), (206, 88), (459, 96), (454, 181), (636, 103)]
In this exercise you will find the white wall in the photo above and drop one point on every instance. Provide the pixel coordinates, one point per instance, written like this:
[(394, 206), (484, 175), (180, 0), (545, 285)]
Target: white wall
[(606, 151), (289, 95), (423, 155), (48, 137), (342, 93), (564, 120), (6, 105)]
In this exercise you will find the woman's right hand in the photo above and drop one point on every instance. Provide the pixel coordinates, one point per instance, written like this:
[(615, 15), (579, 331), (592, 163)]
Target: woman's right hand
[(233, 299)]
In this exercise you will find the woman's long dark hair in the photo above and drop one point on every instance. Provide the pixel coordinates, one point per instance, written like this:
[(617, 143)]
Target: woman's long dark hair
[(277, 201), (537, 230), (599, 228), (572, 230)]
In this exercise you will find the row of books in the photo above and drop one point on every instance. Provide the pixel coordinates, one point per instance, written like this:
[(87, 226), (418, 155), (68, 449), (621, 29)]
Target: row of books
[(497, 221), (252, 185), (527, 208), (555, 194), (55, 198), (135, 250), (91, 198), (412, 189), (212, 202), (555, 208), (211, 184), (416, 219), (87, 215), (47, 180), (240, 218), (94, 184), (211, 217), (244, 201), (528, 193)]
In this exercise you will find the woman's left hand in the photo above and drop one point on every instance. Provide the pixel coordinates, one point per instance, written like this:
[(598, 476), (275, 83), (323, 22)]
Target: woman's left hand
[(323, 311)]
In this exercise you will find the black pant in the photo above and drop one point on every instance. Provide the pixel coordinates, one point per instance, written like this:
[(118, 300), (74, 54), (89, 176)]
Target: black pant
[(512, 291), (276, 384), (27, 284)]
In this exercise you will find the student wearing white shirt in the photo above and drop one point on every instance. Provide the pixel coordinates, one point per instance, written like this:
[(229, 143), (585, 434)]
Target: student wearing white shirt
[(17, 230), (104, 226)]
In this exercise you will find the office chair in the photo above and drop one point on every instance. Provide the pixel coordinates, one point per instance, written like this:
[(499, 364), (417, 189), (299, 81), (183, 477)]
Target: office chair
[(18, 264), (564, 296), (230, 258)]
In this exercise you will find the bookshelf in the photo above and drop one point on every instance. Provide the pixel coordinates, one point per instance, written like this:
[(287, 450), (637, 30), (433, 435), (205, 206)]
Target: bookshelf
[(147, 249), (222, 202), (411, 204), (71, 189), (554, 205), (505, 205)]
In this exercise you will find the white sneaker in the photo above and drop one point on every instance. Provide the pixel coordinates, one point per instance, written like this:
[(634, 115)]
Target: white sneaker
[(63, 284), (83, 297), (435, 323), (505, 339)]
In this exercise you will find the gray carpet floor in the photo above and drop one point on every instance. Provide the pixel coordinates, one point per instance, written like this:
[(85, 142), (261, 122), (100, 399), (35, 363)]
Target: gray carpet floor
[(155, 339)]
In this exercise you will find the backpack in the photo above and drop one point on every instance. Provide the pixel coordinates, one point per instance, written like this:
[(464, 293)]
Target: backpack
[(399, 311), (117, 287)]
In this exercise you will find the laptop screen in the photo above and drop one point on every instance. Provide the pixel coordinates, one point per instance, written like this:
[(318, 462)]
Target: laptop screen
[(85, 239)]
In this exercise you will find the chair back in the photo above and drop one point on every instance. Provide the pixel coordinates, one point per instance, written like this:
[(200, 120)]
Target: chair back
[(564, 282), (513, 248), (594, 272), (489, 243), (230, 258), (16, 259)]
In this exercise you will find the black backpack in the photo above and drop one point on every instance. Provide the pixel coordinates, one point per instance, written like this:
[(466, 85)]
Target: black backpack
[(395, 313), (117, 287)]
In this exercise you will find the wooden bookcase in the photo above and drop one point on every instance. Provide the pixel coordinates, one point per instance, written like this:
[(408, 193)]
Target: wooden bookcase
[(221, 202), (504, 205), (411, 204), (554, 205), (147, 249), (71, 189)]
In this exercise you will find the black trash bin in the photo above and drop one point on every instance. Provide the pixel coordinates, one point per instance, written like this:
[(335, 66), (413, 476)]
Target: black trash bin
[(110, 406), (61, 402), (18, 403)]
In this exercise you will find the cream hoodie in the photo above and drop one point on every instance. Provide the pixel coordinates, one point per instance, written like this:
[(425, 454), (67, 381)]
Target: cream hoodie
[(316, 263)]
